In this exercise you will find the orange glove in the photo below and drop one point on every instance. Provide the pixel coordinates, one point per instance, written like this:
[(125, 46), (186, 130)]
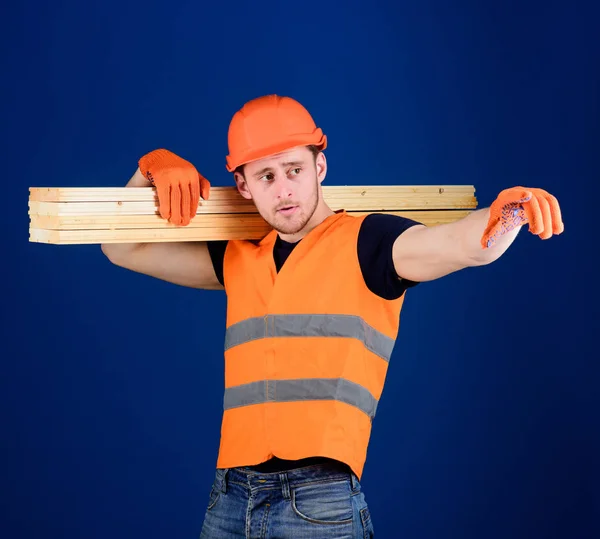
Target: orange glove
[(521, 205), (178, 184)]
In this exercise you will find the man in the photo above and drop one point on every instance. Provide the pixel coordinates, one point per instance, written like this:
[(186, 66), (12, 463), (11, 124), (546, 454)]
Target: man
[(312, 316)]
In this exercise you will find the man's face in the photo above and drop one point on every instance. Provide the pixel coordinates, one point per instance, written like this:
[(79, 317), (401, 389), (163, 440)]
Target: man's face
[(284, 187)]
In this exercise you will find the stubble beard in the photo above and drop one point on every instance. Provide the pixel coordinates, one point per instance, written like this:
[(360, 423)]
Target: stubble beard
[(296, 222)]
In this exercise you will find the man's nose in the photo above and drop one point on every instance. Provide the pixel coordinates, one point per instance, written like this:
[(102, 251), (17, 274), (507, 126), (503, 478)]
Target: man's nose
[(283, 187)]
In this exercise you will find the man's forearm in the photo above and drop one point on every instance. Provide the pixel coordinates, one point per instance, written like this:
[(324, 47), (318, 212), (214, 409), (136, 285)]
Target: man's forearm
[(138, 180), (116, 250), (468, 233), (426, 253)]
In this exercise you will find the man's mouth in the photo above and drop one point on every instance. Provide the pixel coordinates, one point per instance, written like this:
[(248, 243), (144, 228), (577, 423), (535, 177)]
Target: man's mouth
[(287, 210)]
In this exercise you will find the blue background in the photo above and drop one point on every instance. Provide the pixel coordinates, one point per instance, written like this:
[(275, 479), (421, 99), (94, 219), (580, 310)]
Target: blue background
[(110, 392)]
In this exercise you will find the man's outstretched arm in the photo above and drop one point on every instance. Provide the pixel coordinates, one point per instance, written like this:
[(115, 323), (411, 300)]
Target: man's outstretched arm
[(179, 187), (425, 253)]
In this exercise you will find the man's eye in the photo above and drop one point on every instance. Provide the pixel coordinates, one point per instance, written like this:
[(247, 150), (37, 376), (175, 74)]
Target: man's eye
[(266, 177), (296, 170)]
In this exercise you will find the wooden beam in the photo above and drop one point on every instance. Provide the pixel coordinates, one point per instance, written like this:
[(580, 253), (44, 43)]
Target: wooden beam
[(130, 214)]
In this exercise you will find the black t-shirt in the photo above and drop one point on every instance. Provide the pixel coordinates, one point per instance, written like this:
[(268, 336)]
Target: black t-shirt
[(375, 242)]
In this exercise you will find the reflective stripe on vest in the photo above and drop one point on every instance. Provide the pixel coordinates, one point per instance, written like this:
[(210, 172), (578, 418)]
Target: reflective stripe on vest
[(310, 325), (298, 390)]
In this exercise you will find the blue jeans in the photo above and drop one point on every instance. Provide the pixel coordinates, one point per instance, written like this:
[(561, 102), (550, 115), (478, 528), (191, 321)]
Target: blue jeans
[(315, 501)]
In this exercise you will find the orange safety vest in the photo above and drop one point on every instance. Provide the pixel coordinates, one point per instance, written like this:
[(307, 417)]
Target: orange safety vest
[(306, 349)]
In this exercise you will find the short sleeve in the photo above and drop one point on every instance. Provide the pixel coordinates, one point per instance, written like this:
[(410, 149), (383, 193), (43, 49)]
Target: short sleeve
[(375, 243), (216, 250)]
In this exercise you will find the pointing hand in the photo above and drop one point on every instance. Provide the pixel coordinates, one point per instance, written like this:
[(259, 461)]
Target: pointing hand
[(518, 206)]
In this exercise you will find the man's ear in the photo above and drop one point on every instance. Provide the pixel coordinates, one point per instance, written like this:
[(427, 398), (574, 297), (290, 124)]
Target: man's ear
[(321, 166), (242, 186)]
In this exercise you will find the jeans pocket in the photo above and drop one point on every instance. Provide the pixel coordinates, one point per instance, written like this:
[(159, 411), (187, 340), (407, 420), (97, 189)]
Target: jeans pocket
[(213, 497), (323, 503)]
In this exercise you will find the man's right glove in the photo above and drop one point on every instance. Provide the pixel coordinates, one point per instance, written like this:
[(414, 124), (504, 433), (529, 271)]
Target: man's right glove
[(178, 184)]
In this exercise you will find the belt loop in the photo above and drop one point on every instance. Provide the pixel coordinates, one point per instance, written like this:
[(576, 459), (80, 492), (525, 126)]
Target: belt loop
[(354, 482), (223, 474), (285, 485)]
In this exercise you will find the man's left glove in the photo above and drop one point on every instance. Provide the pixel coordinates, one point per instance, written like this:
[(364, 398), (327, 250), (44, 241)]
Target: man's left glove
[(521, 205), (178, 184)]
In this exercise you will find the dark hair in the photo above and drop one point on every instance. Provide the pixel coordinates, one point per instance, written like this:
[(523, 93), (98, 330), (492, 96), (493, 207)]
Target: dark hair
[(312, 148)]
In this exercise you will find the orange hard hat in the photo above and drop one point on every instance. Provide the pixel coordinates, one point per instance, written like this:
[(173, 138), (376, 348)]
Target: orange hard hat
[(268, 125)]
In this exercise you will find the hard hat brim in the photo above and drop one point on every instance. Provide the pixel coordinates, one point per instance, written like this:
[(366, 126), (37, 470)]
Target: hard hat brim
[(317, 138)]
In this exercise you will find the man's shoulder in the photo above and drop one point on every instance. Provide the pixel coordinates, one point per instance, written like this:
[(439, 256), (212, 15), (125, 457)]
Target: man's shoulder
[(375, 244), (384, 224)]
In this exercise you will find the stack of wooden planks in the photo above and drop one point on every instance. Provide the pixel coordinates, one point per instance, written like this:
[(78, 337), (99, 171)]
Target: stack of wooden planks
[(71, 215)]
